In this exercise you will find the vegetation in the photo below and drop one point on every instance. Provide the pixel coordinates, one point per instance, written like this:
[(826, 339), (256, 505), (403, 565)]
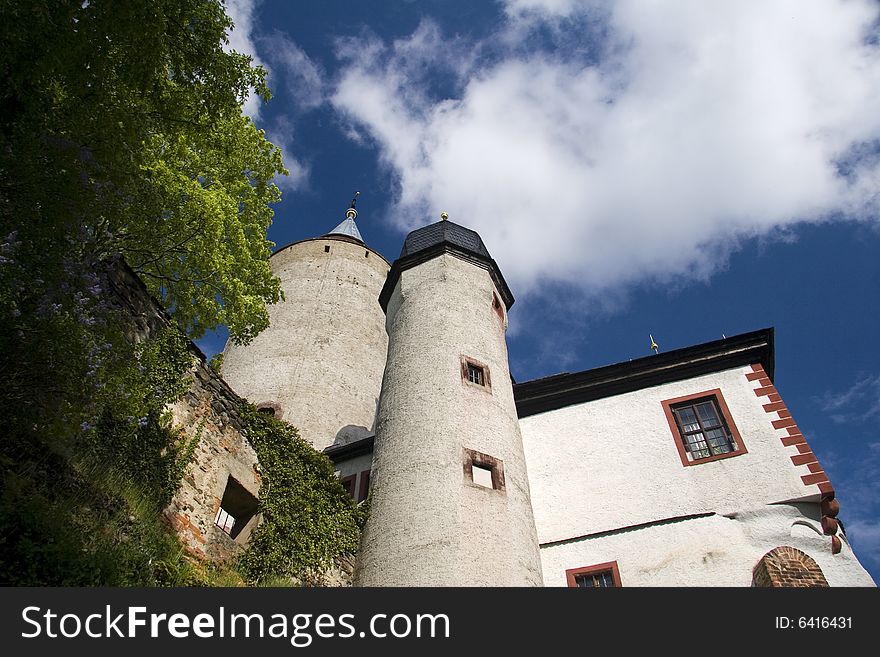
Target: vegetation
[(122, 132), (308, 517), (122, 138)]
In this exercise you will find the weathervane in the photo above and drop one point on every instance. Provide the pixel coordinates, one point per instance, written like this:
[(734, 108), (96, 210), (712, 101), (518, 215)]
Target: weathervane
[(654, 345), (351, 213)]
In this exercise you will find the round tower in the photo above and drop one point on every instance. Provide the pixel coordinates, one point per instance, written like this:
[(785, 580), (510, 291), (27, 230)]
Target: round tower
[(450, 502), (319, 363)]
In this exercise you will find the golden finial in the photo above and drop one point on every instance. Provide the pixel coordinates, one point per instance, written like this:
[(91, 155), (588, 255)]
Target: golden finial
[(444, 216), (654, 345)]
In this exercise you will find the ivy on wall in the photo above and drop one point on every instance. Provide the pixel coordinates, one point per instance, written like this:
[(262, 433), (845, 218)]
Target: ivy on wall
[(308, 517)]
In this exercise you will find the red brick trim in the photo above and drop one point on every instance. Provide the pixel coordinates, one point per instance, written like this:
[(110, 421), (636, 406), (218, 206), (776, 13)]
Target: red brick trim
[(781, 418), (728, 419), (589, 570), (803, 459), (805, 456)]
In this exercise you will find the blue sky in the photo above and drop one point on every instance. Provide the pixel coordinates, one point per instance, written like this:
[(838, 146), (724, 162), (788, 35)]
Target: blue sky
[(681, 169)]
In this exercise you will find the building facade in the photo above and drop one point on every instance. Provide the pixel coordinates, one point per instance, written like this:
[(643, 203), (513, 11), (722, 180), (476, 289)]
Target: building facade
[(679, 469)]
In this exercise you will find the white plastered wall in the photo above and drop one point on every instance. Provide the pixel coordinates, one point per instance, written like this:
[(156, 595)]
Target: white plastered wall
[(322, 357), (598, 467)]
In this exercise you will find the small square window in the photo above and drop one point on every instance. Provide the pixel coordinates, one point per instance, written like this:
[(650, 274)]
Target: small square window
[(600, 576), (326, 248), (703, 428), (483, 470), (475, 373), (482, 476)]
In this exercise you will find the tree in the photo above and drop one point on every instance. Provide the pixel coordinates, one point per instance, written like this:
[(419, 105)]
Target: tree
[(122, 132)]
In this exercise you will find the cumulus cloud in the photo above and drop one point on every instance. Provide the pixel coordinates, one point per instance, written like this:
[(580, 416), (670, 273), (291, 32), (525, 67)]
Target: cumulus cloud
[(290, 68), (649, 153), (241, 40)]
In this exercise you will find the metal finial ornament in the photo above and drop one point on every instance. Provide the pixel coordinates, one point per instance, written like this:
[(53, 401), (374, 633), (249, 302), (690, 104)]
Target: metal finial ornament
[(444, 216), (654, 345), (351, 213)]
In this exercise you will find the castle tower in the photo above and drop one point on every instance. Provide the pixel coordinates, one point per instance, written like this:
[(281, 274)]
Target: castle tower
[(449, 492), (319, 363)]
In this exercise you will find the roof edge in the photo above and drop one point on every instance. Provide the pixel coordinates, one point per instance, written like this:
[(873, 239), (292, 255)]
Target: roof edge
[(419, 257), (561, 390), (337, 453), (335, 237)]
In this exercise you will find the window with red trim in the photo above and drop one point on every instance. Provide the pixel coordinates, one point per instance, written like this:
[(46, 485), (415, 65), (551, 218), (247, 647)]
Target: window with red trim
[(703, 427), (599, 576)]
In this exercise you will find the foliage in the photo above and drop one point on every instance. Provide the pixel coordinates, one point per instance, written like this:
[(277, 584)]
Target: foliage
[(121, 133), (122, 138), (134, 431), (72, 524), (308, 517), (86, 511), (216, 363)]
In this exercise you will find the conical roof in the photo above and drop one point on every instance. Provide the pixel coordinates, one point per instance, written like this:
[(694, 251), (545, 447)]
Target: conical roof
[(347, 228)]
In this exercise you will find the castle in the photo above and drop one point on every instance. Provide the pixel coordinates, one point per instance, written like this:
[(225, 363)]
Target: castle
[(683, 468)]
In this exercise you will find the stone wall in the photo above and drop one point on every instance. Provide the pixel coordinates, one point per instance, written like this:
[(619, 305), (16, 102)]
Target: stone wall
[(209, 410)]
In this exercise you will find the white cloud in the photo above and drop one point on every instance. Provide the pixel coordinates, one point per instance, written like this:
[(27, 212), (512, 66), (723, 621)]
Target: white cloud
[(865, 535), (241, 40), (701, 124), (858, 403), (303, 78), (281, 133)]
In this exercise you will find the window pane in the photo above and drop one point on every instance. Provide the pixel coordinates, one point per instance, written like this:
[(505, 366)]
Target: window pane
[(707, 413), (475, 374), (598, 580)]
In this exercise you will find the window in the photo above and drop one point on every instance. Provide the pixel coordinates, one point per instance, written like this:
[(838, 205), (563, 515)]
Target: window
[(357, 485), (483, 470), (348, 484), (236, 509), (703, 427), (600, 576), (270, 408), (364, 487), (475, 373)]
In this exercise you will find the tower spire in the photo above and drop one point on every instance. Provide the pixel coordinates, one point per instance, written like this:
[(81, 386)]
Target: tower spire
[(348, 227)]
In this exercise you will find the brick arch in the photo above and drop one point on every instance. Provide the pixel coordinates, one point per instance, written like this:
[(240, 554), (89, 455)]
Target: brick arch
[(787, 567)]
